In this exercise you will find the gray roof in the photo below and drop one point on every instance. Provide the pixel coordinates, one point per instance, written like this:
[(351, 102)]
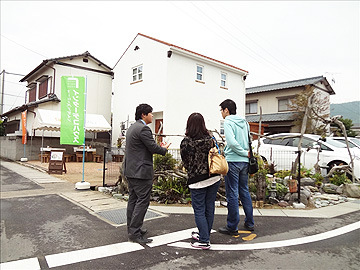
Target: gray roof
[(273, 117), (85, 54), (290, 84)]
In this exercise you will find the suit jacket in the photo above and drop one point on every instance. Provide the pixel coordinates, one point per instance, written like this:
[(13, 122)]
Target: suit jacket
[(139, 150)]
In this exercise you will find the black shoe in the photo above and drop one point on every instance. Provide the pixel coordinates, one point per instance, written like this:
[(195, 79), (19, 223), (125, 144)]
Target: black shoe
[(143, 231), (249, 228), (141, 240), (226, 230)]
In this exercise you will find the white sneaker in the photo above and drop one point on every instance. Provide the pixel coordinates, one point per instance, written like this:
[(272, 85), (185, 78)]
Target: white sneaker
[(202, 245), (195, 236)]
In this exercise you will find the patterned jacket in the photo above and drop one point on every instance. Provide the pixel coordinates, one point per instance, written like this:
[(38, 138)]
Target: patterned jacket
[(194, 154)]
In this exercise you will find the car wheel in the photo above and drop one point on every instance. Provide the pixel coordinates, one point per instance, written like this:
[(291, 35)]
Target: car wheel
[(337, 163)]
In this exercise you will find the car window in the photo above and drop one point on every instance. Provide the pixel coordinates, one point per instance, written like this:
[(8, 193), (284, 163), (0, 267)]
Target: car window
[(305, 142), (284, 142)]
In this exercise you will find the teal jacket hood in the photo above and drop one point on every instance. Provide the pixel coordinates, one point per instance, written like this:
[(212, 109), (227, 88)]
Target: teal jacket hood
[(236, 130)]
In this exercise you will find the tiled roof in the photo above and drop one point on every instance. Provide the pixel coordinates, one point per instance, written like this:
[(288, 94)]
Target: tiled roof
[(290, 84), (44, 62), (273, 117), (186, 50)]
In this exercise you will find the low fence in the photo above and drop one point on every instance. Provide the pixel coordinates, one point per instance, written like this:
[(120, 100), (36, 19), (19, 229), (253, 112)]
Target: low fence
[(113, 158)]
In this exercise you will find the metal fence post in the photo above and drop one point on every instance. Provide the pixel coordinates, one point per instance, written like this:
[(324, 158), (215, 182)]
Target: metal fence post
[(105, 151)]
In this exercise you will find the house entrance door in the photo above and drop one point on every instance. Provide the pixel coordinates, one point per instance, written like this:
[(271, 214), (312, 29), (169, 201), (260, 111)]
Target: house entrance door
[(159, 126)]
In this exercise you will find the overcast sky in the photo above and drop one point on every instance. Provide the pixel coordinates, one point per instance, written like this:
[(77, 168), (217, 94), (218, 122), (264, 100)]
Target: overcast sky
[(274, 41)]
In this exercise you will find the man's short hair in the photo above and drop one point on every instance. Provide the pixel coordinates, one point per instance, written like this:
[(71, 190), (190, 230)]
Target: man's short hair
[(229, 104), (142, 109)]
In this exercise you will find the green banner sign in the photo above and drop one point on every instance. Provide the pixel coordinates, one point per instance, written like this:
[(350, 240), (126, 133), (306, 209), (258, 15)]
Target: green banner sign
[(72, 110)]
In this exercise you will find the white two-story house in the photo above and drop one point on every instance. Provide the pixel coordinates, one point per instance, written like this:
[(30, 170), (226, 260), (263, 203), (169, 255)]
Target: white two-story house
[(175, 82), (43, 100)]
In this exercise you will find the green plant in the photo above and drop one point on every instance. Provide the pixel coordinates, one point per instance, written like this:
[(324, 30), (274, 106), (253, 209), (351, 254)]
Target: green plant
[(172, 190), (2, 128), (163, 163), (318, 178), (282, 173), (339, 178), (305, 172), (281, 189)]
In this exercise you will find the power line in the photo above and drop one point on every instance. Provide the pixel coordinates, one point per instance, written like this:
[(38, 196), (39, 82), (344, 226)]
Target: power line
[(251, 50), (252, 40), (23, 47)]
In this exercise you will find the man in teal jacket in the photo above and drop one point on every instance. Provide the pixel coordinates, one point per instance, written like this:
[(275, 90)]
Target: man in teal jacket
[(236, 152)]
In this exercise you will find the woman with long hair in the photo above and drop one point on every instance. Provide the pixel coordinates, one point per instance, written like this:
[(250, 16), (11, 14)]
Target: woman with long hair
[(194, 150)]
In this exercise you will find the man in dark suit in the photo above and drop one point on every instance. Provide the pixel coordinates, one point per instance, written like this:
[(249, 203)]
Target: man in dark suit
[(138, 169)]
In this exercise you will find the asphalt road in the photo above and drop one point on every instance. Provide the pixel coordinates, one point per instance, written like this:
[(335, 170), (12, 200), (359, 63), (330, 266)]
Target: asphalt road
[(47, 231)]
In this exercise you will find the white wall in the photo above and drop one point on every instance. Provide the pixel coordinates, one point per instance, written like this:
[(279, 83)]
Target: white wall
[(169, 86)]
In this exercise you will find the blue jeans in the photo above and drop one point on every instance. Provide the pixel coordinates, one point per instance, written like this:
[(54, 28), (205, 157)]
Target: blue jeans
[(203, 203), (236, 185)]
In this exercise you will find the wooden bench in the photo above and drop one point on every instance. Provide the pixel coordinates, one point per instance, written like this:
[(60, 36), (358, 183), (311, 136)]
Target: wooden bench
[(45, 158)]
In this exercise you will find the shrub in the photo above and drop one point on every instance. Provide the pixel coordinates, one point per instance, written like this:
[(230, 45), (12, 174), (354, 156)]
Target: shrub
[(163, 163), (339, 178)]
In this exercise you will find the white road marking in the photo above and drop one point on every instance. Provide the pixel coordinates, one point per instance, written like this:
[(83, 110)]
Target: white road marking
[(26, 264), (172, 237), (276, 244), (91, 253), (126, 247)]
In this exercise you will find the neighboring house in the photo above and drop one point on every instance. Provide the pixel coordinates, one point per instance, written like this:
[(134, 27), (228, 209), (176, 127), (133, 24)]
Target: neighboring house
[(175, 82), (275, 100), (44, 92)]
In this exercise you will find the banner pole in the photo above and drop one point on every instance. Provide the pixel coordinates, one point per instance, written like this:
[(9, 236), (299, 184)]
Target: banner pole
[(83, 174)]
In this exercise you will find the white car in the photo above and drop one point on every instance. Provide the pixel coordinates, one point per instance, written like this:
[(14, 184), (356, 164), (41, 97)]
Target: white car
[(353, 142), (282, 149)]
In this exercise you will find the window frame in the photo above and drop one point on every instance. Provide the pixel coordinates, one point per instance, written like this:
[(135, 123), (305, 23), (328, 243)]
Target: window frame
[(138, 74), (225, 86), (32, 94), (43, 89), (199, 73), (248, 105)]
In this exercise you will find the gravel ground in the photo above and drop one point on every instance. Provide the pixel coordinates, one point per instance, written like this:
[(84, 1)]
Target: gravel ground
[(93, 172)]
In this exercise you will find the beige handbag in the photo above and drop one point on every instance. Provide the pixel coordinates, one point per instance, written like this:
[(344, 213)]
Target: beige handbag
[(217, 162)]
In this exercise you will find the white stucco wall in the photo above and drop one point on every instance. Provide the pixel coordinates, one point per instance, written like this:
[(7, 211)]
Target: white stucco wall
[(169, 86)]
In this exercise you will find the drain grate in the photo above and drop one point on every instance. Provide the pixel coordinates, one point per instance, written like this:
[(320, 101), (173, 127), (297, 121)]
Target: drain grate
[(118, 216)]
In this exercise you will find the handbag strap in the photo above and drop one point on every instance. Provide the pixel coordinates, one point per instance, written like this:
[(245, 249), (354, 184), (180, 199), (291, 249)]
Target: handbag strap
[(250, 148), (213, 137)]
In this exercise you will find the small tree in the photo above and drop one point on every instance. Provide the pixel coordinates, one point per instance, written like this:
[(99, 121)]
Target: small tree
[(2, 128), (319, 110), (348, 125)]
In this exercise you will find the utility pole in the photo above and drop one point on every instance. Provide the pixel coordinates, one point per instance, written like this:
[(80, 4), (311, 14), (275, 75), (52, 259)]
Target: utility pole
[(3, 88), (2, 93)]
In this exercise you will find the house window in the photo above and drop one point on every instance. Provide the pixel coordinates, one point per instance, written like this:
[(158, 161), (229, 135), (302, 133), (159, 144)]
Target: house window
[(223, 83), (137, 73), (222, 132), (32, 94), (199, 73), (43, 89), (251, 107), (284, 105)]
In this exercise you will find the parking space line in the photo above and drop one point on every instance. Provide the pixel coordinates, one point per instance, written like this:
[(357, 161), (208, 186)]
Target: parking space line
[(277, 244), (26, 264), (91, 253)]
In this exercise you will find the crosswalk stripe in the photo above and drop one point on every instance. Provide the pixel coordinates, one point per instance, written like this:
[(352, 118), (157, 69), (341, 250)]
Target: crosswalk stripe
[(91, 253), (277, 244), (172, 237), (26, 264)]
